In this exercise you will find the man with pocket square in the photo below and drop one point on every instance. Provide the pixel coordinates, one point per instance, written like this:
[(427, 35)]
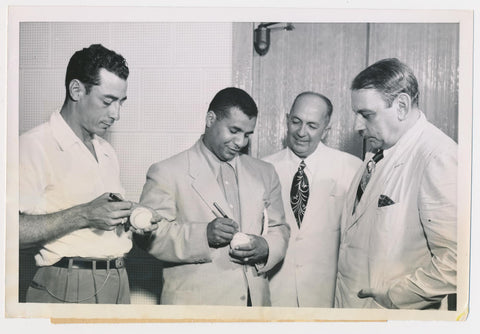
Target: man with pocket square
[(398, 245)]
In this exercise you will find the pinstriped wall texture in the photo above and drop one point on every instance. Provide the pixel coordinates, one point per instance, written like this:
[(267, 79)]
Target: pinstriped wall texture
[(325, 57)]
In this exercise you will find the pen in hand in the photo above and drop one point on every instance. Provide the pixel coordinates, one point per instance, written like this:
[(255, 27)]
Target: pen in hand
[(227, 227), (215, 204), (114, 198)]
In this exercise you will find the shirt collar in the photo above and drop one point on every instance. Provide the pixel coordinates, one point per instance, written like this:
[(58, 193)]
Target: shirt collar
[(65, 136), (62, 131), (311, 161), (212, 159)]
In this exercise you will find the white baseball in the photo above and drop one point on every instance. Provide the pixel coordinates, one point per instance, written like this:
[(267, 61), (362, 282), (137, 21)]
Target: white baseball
[(239, 239), (141, 218)]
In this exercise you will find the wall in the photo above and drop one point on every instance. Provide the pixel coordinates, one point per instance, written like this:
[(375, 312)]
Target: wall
[(175, 70), (431, 50), (325, 57)]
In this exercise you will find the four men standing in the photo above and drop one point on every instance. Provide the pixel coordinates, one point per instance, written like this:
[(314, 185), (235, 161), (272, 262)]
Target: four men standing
[(393, 233)]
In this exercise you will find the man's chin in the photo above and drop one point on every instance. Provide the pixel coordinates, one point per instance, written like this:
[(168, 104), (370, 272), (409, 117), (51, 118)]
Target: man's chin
[(101, 132), (228, 156), (374, 143), (300, 151)]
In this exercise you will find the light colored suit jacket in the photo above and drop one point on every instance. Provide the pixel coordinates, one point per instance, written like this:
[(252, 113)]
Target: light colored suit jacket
[(307, 276), (183, 189), (409, 247)]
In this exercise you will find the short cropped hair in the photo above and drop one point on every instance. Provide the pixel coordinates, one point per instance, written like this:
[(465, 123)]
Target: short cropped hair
[(322, 97), (233, 97), (85, 65), (390, 77)]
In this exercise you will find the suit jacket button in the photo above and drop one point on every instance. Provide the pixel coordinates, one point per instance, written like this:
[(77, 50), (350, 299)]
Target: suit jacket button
[(242, 298)]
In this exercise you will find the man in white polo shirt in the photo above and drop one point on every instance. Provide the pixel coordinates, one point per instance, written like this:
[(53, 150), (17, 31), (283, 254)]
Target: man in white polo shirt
[(71, 207)]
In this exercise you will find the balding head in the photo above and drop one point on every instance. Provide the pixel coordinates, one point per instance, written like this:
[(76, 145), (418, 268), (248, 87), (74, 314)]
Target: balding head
[(307, 122)]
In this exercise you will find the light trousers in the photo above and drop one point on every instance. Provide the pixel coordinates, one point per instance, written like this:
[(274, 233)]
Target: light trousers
[(71, 285)]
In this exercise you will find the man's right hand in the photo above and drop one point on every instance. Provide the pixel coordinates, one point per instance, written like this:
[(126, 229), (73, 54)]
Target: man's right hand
[(220, 232), (104, 214)]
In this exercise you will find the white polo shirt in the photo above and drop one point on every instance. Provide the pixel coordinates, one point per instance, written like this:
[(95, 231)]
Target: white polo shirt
[(57, 172)]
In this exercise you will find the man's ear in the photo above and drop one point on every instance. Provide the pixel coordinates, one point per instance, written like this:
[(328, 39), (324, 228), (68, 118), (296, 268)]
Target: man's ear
[(76, 89), (210, 119), (403, 102)]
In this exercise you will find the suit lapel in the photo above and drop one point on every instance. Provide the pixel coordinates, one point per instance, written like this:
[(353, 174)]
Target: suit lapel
[(205, 182), (350, 218), (392, 164), (376, 186)]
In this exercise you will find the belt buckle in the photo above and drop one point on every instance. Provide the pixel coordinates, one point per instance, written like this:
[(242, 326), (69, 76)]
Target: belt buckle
[(74, 265), (119, 263)]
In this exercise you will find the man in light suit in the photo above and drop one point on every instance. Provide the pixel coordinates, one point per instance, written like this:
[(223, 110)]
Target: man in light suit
[(399, 229), (204, 196), (306, 277)]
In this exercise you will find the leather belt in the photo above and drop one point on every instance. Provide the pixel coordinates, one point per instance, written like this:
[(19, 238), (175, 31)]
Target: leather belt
[(79, 263)]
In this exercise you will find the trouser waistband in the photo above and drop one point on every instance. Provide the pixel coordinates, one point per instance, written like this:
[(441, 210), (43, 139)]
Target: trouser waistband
[(80, 263)]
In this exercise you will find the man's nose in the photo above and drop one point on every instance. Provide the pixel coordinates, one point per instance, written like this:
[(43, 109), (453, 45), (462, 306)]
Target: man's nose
[(359, 124), (114, 110), (240, 140), (302, 131)]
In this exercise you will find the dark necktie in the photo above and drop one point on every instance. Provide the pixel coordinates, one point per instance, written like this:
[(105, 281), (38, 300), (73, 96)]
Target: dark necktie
[(367, 174), (299, 193)]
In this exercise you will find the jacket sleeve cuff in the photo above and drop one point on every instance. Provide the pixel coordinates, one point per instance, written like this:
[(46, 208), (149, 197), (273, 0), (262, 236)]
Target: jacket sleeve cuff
[(270, 262), (197, 238)]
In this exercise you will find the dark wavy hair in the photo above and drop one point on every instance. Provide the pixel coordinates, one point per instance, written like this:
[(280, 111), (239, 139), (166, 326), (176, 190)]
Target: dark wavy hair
[(390, 77), (85, 65), (233, 97)]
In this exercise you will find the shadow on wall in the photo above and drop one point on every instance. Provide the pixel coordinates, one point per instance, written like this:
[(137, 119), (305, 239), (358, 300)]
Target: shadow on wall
[(26, 271), (145, 277)]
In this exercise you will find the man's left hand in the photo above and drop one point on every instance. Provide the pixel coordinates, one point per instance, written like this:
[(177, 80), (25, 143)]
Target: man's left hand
[(380, 296), (153, 222), (256, 251), (145, 230)]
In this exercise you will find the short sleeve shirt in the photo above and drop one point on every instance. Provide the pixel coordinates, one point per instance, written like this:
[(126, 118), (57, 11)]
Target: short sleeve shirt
[(57, 172)]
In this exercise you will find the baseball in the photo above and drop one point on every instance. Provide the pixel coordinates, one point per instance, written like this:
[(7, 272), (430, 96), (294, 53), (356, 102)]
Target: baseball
[(141, 218), (239, 239)]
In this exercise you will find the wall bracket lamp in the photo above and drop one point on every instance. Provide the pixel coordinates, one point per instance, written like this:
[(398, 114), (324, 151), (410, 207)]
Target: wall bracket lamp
[(261, 35)]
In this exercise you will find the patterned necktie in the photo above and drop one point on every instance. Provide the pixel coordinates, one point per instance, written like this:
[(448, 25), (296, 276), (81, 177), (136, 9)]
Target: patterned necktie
[(367, 174), (299, 193)]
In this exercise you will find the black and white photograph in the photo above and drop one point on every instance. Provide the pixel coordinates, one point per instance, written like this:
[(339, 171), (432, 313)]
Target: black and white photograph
[(208, 164)]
